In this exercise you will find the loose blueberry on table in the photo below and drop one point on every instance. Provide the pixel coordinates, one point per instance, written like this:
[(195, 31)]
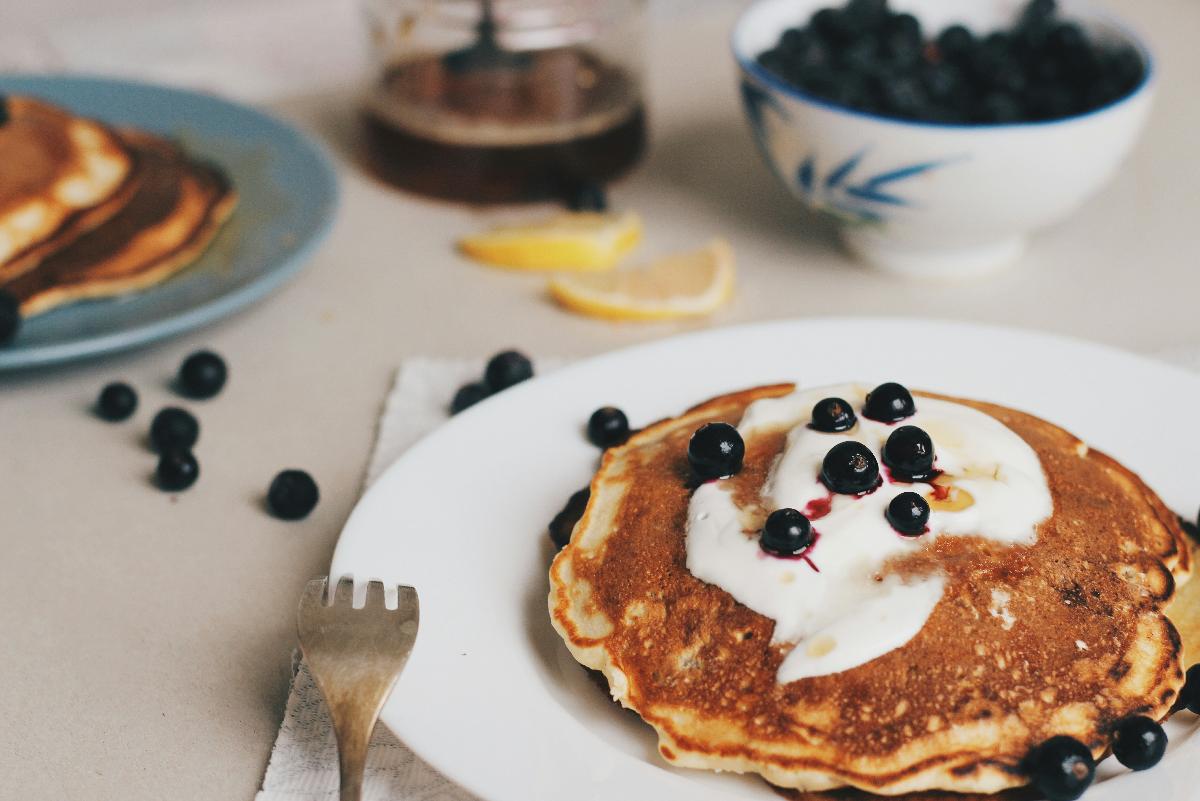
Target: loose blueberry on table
[(608, 426), (1139, 743), (716, 450), (506, 369), (832, 415), (908, 513), (10, 317), (1061, 768), (586, 196), (909, 454), (116, 402), (173, 429), (503, 370), (849, 468), (177, 470), (293, 494), (869, 58), (202, 375), (889, 403), (468, 395), (786, 533)]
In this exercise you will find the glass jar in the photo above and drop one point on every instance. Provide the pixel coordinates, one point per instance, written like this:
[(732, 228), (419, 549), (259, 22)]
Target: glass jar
[(504, 100)]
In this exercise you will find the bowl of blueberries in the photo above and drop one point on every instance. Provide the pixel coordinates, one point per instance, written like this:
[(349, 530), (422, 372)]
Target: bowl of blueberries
[(939, 134)]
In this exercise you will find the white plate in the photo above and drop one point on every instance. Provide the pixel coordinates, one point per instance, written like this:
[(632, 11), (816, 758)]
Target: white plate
[(492, 699)]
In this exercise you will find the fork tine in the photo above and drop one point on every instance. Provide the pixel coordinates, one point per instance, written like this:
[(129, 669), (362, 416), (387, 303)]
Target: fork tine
[(314, 593), (406, 601), (376, 595), (343, 593)]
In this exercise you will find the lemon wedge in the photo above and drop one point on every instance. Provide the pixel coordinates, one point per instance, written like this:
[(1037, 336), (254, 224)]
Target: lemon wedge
[(681, 285), (582, 240)]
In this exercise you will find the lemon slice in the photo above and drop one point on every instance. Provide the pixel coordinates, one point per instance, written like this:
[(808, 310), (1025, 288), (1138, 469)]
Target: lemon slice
[(682, 285), (583, 240)]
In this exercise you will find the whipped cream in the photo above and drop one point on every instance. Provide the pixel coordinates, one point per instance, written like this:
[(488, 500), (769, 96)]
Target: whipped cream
[(832, 603)]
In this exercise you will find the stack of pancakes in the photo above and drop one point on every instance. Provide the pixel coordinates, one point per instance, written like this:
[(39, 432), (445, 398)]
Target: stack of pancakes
[(957, 708), (89, 212)]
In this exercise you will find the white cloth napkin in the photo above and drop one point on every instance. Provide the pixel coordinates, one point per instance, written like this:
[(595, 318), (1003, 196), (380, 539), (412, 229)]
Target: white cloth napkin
[(303, 764)]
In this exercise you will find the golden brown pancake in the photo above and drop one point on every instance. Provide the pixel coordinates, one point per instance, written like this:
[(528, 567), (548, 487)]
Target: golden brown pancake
[(1184, 612), (958, 707), (166, 224), (60, 176)]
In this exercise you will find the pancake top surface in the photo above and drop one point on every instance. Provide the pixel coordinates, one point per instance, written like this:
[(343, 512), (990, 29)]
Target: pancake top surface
[(176, 201), (51, 165), (1082, 641)]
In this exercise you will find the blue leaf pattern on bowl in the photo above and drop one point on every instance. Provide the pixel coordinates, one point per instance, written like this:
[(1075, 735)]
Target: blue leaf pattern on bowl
[(840, 192), (857, 199)]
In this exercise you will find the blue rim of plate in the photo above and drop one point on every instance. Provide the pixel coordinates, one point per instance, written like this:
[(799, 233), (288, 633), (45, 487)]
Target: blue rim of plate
[(323, 200)]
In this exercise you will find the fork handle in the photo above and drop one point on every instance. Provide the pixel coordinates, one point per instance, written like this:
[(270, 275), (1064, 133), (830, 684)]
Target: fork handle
[(355, 711), (352, 739)]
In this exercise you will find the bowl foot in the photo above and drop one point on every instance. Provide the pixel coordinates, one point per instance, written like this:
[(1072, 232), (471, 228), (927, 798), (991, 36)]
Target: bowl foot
[(915, 261)]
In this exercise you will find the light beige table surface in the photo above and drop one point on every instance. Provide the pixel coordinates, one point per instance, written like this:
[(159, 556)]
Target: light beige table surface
[(146, 637)]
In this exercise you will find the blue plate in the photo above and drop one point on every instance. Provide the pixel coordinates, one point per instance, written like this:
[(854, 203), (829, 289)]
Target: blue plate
[(288, 196)]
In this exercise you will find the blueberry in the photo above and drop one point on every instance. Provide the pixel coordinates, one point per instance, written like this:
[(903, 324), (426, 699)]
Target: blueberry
[(587, 196), (202, 375), (998, 108), (468, 395), (292, 495), (716, 450), (117, 401), (564, 522), (608, 426), (901, 44), (1036, 20), (908, 513), (833, 414), (943, 83), (955, 43), (847, 89), (177, 470), (1051, 102), (909, 453), (173, 429), (10, 317), (1066, 37), (786, 533), (1139, 743), (772, 61), (905, 25), (506, 369), (1125, 65), (1101, 93), (866, 15), (850, 469), (832, 25), (903, 96), (860, 57), (819, 81), (795, 41), (1062, 768), (1038, 12), (1189, 696), (888, 403)]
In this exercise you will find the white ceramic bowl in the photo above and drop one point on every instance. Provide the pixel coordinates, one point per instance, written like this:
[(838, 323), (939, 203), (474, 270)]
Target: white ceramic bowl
[(933, 199)]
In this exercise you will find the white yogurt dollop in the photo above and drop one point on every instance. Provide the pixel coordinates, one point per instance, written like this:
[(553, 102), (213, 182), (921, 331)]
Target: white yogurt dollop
[(832, 604)]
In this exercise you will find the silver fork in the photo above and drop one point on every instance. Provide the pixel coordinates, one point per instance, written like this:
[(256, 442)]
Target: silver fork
[(355, 655)]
